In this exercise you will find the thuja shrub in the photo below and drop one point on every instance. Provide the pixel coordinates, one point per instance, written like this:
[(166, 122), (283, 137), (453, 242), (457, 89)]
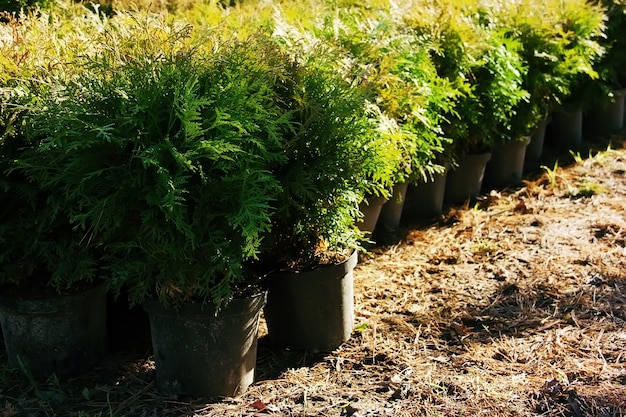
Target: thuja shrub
[(560, 48), (397, 69), (611, 66), (481, 61), (162, 147), (330, 157), (613, 62), (40, 248)]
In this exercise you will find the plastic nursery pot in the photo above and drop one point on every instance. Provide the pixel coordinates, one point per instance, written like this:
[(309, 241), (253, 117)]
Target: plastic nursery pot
[(506, 165), (565, 130), (607, 118), (391, 211), (425, 199), (62, 335), (534, 150), (199, 353), (466, 180), (312, 310), (371, 208)]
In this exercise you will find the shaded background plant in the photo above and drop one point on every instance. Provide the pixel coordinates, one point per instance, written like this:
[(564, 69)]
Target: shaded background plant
[(41, 251), (611, 65)]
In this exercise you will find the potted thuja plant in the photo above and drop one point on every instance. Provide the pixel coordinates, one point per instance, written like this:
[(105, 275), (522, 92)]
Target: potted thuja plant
[(545, 84), (417, 98), (483, 65), (605, 113), (52, 299), (312, 249), (559, 48), (396, 69), (170, 146), (338, 41), (577, 53), (506, 93)]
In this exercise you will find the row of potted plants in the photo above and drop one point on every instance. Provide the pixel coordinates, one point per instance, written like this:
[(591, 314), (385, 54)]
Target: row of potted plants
[(465, 80), (181, 168), (192, 168)]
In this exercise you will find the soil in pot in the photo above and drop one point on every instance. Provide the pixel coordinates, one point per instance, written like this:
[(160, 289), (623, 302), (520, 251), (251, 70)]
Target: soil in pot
[(466, 180), (62, 335), (199, 353), (311, 310)]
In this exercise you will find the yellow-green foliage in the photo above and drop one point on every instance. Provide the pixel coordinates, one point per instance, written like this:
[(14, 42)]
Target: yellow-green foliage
[(46, 40), (476, 71), (331, 100)]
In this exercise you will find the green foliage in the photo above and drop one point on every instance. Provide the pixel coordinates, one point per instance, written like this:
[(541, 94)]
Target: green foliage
[(175, 156), (611, 65), (585, 189), (36, 245), (160, 149), (318, 47), (399, 74), (482, 62), (581, 26), (552, 174), (328, 169), (560, 46), (16, 6)]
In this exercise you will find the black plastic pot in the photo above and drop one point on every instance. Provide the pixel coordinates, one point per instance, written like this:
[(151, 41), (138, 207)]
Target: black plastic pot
[(62, 335), (199, 353), (371, 208), (391, 212), (312, 310), (506, 165), (565, 130), (466, 180), (607, 117), (425, 199), (534, 150)]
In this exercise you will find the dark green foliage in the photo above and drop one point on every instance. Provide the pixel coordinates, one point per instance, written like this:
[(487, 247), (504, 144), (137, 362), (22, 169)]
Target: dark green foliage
[(540, 79), (613, 62), (161, 154), (38, 243), (327, 172), (611, 66), (15, 6)]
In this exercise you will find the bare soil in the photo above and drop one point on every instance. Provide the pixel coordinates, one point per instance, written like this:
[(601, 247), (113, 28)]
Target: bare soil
[(512, 306)]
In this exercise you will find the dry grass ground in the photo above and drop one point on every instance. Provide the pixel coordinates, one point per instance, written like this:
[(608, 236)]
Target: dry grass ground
[(513, 307)]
